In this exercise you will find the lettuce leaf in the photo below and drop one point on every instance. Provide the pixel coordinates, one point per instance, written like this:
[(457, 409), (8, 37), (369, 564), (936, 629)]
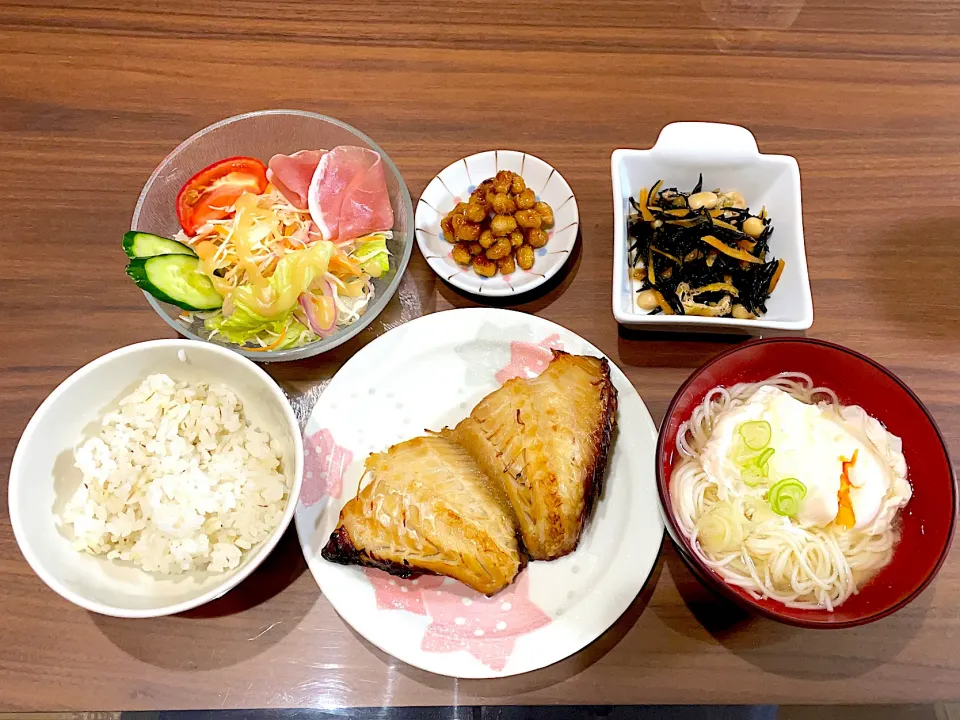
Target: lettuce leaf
[(294, 274), (372, 254), (244, 325), (263, 313)]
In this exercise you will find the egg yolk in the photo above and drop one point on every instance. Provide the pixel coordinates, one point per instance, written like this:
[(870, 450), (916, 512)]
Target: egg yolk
[(845, 517)]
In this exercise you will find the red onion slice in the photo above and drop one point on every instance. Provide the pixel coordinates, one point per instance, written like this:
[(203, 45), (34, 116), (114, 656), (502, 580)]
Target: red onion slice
[(310, 310)]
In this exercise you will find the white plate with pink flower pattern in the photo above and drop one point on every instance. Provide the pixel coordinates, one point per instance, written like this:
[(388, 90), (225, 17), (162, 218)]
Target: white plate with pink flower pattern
[(455, 183), (430, 373)]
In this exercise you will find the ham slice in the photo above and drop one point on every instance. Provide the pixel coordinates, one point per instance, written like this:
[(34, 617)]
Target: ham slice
[(291, 175), (348, 194)]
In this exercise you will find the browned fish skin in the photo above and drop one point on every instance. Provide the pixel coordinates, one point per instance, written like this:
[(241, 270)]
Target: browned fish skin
[(602, 442), (429, 509), (547, 440), (340, 549)]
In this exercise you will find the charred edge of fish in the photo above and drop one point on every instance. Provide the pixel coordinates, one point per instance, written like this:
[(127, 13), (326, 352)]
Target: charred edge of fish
[(602, 442), (341, 550), (521, 550)]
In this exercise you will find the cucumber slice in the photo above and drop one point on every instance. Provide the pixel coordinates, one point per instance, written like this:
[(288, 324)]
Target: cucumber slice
[(175, 279), (144, 245)]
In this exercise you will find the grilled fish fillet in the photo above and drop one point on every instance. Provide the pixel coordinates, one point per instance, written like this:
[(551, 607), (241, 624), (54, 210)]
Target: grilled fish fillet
[(429, 509), (546, 440)]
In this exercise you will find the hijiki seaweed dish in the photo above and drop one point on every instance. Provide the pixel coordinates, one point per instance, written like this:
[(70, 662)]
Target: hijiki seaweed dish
[(700, 253)]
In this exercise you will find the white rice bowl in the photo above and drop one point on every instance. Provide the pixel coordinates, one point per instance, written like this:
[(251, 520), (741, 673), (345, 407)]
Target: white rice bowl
[(132, 547), (177, 480)]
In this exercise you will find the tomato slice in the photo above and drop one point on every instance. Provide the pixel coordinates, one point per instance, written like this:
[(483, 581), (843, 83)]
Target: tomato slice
[(207, 195)]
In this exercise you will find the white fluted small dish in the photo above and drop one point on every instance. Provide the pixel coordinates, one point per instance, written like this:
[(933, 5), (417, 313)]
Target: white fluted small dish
[(455, 183)]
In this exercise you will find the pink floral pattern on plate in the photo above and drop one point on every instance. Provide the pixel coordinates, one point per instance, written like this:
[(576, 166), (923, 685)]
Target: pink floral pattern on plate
[(397, 594), (461, 618), (487, 628), (528, 359), (324, 463)]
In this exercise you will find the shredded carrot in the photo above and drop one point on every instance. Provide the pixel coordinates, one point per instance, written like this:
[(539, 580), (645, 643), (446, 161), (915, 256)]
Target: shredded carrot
[(747, 245), (272, 346), (342, 264), (678, 212), (270, 267), (644, 211), (776, 274), (664, 305), (682, 223), (727, 250), (651, 275)]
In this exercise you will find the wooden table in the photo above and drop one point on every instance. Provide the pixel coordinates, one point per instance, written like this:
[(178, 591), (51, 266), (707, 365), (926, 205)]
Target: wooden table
[(866, 95)]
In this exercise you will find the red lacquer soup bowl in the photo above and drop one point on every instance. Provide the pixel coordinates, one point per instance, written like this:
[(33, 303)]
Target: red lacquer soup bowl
[(927, 522)]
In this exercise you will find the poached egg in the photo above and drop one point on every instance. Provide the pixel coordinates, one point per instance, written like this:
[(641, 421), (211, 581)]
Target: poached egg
[(849, 464)]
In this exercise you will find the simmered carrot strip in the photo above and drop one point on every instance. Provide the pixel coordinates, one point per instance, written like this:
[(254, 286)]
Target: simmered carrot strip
[(727, 250), (777, 273), (642, 203), (664, 305)]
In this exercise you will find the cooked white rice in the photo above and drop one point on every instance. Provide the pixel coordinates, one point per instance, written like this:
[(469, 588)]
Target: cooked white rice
[(177, 480)]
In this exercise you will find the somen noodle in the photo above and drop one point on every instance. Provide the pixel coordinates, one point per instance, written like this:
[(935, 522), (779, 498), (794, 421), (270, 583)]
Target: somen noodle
[(731, 527)]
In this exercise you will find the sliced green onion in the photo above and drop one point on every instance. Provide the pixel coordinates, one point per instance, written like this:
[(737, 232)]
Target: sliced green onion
[(756, 434), (785, 496), (742, 455), (762, 458), (752, 476)]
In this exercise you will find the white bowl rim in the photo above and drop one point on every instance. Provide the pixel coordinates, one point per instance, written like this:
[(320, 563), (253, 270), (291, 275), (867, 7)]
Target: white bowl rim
[(746, 147), (344, 334), (502, 292), (230, 581)]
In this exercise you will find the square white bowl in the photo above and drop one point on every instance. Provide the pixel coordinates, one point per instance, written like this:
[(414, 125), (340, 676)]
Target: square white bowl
[(727, 156)]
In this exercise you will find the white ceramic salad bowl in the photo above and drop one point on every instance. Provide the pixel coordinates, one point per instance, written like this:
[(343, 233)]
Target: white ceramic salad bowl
[(455, 183), (43, 476), (728, 157)]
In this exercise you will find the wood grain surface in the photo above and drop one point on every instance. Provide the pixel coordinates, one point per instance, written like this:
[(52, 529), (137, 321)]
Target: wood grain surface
[(865, 94)]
